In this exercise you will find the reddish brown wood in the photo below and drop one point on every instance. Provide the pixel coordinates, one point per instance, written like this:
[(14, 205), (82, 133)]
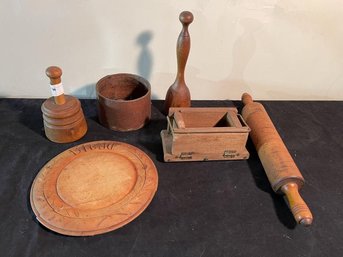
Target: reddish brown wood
[(63, 117), (124, 101), (178, 94), (282, 172), (93, 188)]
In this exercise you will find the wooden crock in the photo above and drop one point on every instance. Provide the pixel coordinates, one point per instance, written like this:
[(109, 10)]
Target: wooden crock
[(124, 101)]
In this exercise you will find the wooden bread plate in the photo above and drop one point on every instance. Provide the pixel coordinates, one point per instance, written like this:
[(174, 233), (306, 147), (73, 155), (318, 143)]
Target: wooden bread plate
[(93, 188)]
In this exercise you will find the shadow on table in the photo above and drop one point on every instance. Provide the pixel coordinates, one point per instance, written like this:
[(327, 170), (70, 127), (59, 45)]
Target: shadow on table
[(282, 211), (86, 92)]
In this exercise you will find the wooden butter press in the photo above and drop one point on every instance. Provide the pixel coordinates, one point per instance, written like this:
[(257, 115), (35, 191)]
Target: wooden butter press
[(204, 134)]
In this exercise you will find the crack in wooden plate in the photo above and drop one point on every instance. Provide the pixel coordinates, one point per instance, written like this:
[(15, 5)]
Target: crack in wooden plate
[(93, 188)]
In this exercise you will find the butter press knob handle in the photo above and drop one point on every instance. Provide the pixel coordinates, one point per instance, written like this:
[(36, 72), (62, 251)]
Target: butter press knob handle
[(55, 73)]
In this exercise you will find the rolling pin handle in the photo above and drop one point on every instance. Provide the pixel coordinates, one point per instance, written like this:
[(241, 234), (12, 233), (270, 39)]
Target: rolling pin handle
[(299, 208), (55, 73), (246, 99)]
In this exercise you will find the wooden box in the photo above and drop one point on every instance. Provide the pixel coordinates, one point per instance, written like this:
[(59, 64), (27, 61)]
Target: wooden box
[(204, 134)]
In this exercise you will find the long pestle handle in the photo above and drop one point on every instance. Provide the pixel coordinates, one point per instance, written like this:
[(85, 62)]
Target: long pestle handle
[(55, 73), (281, 170), (183, 45)]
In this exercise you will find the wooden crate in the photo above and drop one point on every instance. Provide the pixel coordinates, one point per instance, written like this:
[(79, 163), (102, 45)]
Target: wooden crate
[(204, 134)]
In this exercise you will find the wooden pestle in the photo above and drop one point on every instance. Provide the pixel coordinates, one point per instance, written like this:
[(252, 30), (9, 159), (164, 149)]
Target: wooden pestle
[(282, 172), (178, 94)]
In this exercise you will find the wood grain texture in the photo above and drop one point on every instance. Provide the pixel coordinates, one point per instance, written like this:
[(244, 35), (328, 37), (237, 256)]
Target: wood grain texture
[(93, 188), (282, 172), (203, 134), (178, 94)]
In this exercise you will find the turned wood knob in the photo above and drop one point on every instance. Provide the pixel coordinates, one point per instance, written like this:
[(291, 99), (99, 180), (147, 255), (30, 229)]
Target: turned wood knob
[(186, 18), (178, 94), (55, 73)]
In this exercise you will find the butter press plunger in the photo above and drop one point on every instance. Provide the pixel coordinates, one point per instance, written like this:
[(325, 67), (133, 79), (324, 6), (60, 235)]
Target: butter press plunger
[(63, 117)]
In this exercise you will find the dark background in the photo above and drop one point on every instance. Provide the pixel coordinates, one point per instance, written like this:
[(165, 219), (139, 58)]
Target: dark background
[(220, 208)]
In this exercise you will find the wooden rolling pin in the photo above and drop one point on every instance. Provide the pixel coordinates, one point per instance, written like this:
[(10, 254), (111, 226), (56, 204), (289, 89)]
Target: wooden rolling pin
[(282, 172)]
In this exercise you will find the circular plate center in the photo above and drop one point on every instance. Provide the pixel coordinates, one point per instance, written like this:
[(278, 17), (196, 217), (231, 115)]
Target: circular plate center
[(96, 181)]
